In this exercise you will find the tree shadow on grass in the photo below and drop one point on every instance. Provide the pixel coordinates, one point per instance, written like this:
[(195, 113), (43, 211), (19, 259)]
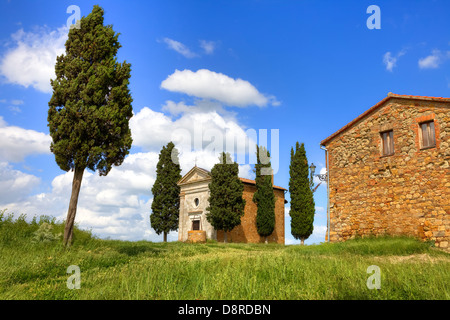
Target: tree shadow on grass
[(135, 250)]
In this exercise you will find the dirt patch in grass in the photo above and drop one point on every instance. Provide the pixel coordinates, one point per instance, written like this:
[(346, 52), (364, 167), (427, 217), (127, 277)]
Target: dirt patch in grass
[(414, 258)]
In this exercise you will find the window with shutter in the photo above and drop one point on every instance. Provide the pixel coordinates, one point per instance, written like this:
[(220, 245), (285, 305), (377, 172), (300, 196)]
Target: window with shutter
[(387, 139), (428, 134)]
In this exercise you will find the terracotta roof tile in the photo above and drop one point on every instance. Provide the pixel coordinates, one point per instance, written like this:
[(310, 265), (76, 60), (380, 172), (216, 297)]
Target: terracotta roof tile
[(253, 182)]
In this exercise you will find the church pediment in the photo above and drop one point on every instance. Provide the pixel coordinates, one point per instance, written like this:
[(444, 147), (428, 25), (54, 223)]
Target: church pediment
[(196, 174)]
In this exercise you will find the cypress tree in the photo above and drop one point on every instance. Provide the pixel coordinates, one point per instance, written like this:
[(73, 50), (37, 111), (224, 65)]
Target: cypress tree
[(264, 196), (302, 200), (226, 205), (166, 192), (90, 109)]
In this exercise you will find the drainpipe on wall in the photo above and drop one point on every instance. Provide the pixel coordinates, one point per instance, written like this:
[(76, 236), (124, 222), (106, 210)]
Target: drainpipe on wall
[(328, 192)]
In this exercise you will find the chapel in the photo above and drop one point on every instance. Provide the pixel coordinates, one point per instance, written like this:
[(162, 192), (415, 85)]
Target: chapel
[(194, 194)]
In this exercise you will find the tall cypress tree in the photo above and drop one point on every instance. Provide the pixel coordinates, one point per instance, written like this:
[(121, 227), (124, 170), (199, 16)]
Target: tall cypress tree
[(166, 192), (264, 196), (226, 205), (90, 109), (302, 200)]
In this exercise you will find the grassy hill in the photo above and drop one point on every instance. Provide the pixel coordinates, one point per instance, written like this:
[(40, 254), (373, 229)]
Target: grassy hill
[(33, 265)]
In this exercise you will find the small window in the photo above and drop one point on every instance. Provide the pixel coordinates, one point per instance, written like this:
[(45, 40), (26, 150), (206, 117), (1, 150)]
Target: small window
[(196, 202), (387, 139), (196, 225), (428, 134)]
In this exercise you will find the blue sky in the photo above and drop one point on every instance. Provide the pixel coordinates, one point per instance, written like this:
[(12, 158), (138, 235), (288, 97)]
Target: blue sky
[(305, 68)]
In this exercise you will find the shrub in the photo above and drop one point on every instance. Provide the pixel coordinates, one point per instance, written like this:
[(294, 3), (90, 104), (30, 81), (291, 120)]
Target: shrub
[(39, 229), (13, 230), (45, 234)]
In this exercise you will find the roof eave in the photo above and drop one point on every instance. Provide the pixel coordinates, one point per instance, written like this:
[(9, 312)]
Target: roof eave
[(375, 107)]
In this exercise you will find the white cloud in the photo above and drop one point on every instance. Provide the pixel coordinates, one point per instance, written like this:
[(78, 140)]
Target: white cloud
[(430, 62), (150, 129), (15, 185), (319, 232), (200, 106), (211, 85), (16, 102), (179, 47), (31, 60), (15, 109), (119, 204), (14, 105), (434, 60), (193, 131), (116, 205), (390, 61), (246, 171), (287, 209), (17, 143), (208, 46)]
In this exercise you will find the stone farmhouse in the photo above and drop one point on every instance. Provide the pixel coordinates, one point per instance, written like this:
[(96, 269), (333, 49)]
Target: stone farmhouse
[(389, 171), (193, 226)]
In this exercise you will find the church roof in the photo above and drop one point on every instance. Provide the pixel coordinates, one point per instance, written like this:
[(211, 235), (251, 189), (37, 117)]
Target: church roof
[(244, 180), (203, 175), (248, 181)]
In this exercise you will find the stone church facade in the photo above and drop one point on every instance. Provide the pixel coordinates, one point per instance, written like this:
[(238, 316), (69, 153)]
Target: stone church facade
[(389, 171), (194, 194)]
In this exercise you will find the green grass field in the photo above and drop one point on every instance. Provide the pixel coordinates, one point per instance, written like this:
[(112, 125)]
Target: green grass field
[(111, 269)]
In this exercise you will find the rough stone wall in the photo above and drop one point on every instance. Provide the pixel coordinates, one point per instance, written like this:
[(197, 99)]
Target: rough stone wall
[(407, 193), (246, 231), (196, 236)]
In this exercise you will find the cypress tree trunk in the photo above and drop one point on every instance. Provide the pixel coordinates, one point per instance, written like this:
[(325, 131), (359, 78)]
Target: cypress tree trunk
[(76, 185), (302, 241), (225, 237), (165, 236)]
